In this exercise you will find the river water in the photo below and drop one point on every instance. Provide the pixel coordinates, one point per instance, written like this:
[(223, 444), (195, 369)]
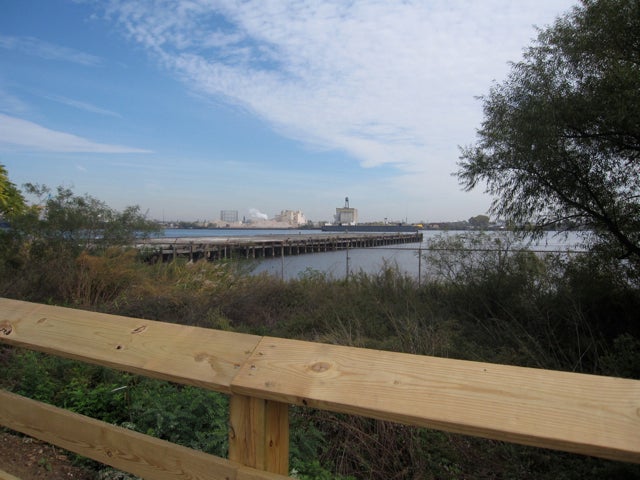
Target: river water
[(409, 258)]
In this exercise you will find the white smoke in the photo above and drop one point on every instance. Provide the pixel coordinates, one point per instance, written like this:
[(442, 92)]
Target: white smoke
[(257, 214)]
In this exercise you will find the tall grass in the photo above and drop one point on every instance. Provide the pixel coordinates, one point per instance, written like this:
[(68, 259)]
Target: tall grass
[(498, 305)]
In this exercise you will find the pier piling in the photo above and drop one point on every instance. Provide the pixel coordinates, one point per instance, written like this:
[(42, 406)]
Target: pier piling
[(265, 246)]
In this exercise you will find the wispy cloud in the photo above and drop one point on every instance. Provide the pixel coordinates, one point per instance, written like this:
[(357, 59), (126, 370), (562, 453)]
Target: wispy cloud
[(388, 82), (48, 51), (15, 132), (11, 103), (88, 107)]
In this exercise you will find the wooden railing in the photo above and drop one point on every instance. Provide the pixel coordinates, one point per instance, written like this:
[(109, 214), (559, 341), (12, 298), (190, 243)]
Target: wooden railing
[(578, 413)]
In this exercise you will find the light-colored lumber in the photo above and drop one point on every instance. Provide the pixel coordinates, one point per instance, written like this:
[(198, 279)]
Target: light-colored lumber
[(7, 476), (196, 356), (585, 414), (124, 449), (259, 435)]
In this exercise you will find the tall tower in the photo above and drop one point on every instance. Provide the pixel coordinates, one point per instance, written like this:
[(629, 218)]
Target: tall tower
[(346, 215)]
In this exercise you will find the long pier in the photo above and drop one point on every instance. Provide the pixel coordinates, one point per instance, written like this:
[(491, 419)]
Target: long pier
[(264, 246)]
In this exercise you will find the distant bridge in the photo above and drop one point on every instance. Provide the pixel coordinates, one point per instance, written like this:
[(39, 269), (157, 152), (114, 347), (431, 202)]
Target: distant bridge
[(259, 246)]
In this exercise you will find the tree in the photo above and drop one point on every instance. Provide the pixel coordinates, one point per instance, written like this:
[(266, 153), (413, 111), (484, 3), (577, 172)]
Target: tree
[(69, 248), (11, 200), (479, 221), (560, 141), (80, 222)]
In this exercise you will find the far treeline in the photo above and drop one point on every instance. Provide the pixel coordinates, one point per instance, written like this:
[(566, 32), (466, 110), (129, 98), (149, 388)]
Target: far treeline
[(560, 144)]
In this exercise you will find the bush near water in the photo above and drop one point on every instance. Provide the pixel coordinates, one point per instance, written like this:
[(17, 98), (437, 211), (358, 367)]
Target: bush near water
[(481, 300)]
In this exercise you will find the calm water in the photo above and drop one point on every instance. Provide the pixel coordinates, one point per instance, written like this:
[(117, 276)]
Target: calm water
[(367, 260)]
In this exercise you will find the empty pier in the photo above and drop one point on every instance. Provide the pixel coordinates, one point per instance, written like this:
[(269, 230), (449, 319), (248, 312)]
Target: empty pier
[(265, 246)]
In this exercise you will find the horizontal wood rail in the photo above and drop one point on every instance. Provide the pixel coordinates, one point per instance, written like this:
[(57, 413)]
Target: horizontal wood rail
[(585, 414), (124, 449), (7, 476)]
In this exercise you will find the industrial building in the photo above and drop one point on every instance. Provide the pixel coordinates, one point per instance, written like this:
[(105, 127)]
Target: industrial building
[(294, 218), (229, 216), (346, 215)]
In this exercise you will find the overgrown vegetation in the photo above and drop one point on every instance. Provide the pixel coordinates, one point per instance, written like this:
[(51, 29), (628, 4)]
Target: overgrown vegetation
[(559, 146), (560, 139), (482, 299)]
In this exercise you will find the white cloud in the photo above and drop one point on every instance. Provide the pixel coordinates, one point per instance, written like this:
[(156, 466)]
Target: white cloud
[(49, 51), (387, 82), (15, 132), (88, 107)]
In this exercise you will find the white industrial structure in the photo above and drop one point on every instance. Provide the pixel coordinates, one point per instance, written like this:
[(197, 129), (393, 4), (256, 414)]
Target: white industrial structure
[(346, 215), (294, 218)]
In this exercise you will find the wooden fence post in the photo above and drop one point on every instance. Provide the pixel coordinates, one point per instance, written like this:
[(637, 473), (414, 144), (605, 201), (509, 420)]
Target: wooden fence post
[(259, 433)]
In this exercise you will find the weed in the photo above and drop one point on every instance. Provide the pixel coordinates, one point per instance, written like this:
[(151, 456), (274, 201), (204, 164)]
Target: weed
[(483, 299)]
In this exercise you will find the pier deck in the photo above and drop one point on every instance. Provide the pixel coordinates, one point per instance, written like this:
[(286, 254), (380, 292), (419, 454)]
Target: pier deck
[(260, 246)]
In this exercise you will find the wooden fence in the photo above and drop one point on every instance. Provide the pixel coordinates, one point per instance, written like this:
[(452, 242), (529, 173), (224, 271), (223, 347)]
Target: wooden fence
[(586, 414)]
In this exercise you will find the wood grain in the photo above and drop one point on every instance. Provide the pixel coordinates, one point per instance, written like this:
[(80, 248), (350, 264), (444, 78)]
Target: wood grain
[(195, 356), (124, 449), (7, 476), (585, 414), (259, 434)]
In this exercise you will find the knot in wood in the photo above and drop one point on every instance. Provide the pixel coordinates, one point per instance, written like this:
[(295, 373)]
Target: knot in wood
[(200, 357), (5, 328), (320, 367)]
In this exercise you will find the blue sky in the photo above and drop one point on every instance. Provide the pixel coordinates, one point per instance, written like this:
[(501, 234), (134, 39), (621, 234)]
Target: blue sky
[(186, 108)]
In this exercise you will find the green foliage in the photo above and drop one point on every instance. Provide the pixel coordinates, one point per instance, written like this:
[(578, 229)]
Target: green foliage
[(516, 307), (484, 298), (480, 222), (80, 222), (52, 248), (312, 470), (184, 415), (11, 200), (560, 138), (96, 397), (188, 416), (81, 388), (32, 374), (307, 445)]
